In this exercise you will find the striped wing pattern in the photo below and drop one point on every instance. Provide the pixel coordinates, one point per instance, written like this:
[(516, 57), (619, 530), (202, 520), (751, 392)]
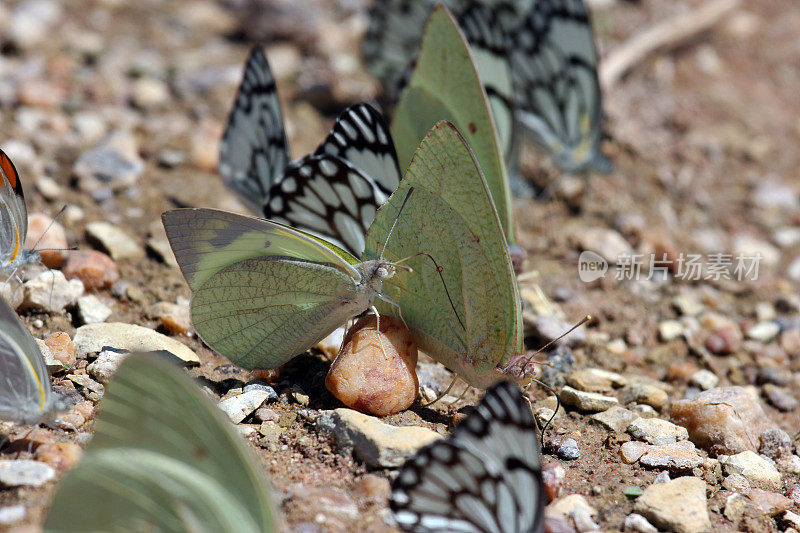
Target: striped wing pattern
[(485, 477)]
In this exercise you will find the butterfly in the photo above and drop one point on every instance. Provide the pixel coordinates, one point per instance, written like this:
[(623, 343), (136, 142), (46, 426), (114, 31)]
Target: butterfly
[(263, 292), (13, 220), (445, 84), (486, 476), (163, 458), (548, 48), (315, 194), (26, 395)]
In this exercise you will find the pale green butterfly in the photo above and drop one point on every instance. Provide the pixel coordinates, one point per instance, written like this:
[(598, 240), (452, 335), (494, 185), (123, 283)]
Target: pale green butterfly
[(163, 458), (264, 292), (445, 85)]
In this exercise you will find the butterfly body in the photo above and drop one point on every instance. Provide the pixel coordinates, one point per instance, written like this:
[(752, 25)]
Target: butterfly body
[(26, 396)]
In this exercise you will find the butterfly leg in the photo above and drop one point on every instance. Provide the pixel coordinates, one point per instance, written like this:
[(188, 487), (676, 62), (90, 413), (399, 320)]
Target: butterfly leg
[(378, 329), (444, 393), (396, 306)]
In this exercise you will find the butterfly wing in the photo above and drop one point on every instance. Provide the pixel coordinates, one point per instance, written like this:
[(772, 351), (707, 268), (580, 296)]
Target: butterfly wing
[(26, 395), (163, 458), (554, 63), (254, 150), (13, 213), (485, 477), (261, 312), (205, 241), (488, 44), (445, 85), (451, 217), (328, 197), (261, 292), (361, 137)]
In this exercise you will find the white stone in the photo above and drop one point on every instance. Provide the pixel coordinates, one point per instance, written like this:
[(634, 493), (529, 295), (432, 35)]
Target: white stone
[(92, 338), (91, 310), (240, 407), (51, 292), (115, 241), (760, 472)]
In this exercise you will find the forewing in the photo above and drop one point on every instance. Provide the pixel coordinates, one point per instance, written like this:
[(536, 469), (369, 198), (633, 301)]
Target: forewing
[(392, 39), (254, 150), (326, 196), (361, 137), (13, 212), (261, 312), (554, 63), (25, 391), (476, 480), (445, 85), (488, 43), (451, 217), (163, 458), (205, 241)]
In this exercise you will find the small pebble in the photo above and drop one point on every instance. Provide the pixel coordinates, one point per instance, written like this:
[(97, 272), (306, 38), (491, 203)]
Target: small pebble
[(774, 443), (678, 456), (116, 242), (374, 372), (174, 317), (770, 503), (663, 477), (61, 348), (587, 401), (60, 455), (106, 364), (725, 420), (704, 379), (553, 477), (790, 342), (669, 330), (657, 431), (678, 505), (759, 471), (638, 523), (51, 237), (95, 269), (615, 419), (377, 444), (92, 338), (240, 407), (736, 483), (91, 310), (11, 514), (50, 291), (568, 450), (643, 393), (114, 163), (24, 472), (780, 398), (764, 331), (725, 340)]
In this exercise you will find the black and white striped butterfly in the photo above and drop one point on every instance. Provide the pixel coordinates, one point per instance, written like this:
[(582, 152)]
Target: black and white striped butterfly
[(549, 47), (332, 193), (486, 476)]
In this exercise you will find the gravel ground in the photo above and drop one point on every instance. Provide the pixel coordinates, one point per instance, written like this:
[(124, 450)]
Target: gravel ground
[(681, 394)]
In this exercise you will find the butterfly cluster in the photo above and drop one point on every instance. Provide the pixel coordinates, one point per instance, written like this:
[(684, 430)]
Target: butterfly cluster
[(410, 218), (546, 45)]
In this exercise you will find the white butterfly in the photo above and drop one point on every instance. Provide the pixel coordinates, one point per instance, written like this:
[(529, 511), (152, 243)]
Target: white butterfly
[(485, 477), (333, 193), (549, 47)]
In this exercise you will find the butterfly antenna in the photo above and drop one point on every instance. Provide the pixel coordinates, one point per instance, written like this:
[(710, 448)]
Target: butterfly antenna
[(558, 405), (585, 319), (408, 195), (439, 271), (48, 228)]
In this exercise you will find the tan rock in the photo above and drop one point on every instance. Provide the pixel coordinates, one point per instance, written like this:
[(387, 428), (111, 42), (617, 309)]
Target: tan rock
[(375, 370), (52, 239), (722, 420), (678, 505)]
